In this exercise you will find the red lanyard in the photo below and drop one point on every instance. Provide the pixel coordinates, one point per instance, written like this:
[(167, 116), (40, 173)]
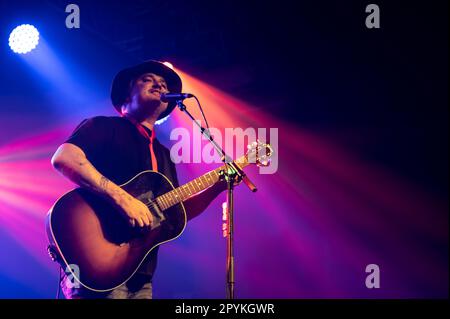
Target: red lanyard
[(150, 139)]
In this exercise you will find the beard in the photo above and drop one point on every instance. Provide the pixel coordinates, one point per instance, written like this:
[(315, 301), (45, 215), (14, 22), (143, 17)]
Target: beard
[(149, 105)]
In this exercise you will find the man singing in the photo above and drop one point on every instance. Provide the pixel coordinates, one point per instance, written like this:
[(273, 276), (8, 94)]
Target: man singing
[(104, 152)]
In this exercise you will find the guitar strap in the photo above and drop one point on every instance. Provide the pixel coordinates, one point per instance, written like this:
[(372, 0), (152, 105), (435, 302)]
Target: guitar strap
[(150, 139)]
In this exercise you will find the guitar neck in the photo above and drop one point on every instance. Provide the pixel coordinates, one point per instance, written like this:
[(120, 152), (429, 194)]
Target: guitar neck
[(194, 187)]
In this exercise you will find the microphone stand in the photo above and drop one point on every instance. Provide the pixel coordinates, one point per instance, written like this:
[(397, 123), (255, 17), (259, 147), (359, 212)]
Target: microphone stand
[(232, 174)]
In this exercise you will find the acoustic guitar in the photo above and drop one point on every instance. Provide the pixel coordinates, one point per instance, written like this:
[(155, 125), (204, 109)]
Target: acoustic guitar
[(88, 231)]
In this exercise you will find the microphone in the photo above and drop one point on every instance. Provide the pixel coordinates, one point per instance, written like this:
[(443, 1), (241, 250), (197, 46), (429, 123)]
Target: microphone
[(169, 97)]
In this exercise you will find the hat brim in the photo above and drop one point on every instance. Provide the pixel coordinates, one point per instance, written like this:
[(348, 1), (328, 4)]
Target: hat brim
[(121, 82)]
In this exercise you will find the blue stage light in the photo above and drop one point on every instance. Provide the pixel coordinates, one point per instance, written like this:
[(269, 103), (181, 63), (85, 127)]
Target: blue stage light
[(23, 38)]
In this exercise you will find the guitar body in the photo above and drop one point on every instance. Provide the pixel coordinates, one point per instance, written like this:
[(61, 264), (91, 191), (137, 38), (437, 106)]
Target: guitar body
[(91, 233)]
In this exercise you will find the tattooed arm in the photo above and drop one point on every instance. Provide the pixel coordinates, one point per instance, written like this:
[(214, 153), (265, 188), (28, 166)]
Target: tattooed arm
[(71, 162)]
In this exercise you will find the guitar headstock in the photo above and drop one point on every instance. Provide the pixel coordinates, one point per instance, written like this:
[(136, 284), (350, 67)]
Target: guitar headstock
[(259, 153)]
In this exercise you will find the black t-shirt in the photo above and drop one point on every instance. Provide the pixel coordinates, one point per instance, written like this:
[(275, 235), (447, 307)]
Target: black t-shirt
[(119, 152)]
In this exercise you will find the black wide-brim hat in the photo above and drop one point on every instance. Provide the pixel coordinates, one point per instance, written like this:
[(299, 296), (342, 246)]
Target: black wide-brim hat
[(121, 83)]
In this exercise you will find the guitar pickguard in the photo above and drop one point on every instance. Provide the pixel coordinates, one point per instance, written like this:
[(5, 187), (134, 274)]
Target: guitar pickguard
[(155, 210)]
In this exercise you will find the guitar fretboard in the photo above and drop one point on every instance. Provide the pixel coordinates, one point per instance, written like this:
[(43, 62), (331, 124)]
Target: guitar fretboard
[(193, 187)]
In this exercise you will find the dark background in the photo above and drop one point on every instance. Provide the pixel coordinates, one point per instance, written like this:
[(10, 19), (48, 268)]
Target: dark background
[(383, 92)]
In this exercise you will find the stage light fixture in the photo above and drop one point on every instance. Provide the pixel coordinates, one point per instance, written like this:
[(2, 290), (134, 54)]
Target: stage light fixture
[(24, 38)]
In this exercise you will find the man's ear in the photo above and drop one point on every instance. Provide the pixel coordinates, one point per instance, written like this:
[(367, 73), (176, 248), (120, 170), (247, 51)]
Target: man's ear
[(125, 103), (123, 108)]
